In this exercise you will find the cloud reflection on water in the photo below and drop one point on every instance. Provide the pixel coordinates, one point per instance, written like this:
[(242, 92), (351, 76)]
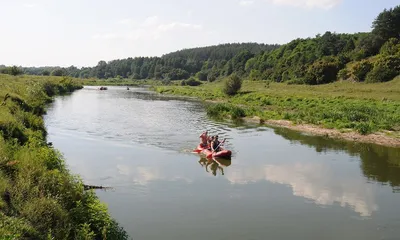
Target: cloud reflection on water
[(316, 182)]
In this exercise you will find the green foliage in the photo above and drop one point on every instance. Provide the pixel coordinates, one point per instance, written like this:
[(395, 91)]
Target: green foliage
[(191, 82), (58, 72), (359, 106), (343, 74), (43, 200), (387, 24), (361, 69), (324, 71), (232, 85), (14, 70), (302, 61), (385, 69), (221, 110), (202, 76), (391, 47)]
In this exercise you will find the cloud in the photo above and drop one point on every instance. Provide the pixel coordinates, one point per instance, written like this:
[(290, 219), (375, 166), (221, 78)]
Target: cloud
[(29, 5), (175, 25), (149, 28), (150, 21), (316, 182), (246, 2), (105, 36), (141, 175), (324, 4), (127, 21)]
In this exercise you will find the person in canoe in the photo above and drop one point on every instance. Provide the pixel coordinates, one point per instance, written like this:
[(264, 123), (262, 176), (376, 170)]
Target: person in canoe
[(209, 142), (203, 139), (215, 144)]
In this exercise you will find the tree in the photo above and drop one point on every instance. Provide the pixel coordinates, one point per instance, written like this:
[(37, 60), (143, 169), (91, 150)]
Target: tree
[(387, 24), (14, 70), (232, 85), (391, 47), (58, 72)]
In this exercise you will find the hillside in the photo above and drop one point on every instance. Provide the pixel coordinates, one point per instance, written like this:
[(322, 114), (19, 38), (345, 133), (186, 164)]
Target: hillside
[(370, 56)]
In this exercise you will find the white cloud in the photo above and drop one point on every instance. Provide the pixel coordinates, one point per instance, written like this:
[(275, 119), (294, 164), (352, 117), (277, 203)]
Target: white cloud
[(29, 5), (316, 182), (144, 175), (324, 4), (105, 36), (246, 2), (127, 21), (175, 25), (150, 21), (150, 28)]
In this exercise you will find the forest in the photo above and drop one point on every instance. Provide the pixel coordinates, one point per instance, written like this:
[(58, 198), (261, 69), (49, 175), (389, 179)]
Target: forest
[(366, 56)]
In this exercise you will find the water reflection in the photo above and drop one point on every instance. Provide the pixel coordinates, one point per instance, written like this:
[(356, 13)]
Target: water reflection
[(378, 163), (214, 165)]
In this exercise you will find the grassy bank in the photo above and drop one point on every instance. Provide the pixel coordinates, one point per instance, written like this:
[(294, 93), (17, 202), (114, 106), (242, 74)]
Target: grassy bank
[(40, 198), (345, 105)]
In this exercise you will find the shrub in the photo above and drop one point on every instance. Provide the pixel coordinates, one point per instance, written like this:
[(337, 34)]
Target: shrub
[(232, 85), (385, 69), (391, 47), (221, 110), (191, 82), (202, 76), (323, 71), (343, 74), (361, 69)]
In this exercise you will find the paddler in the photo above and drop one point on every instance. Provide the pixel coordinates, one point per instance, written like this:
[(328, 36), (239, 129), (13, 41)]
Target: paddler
[(215, 144), (203, 139)]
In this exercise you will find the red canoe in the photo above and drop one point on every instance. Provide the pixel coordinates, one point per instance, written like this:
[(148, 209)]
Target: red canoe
[(221, 154)]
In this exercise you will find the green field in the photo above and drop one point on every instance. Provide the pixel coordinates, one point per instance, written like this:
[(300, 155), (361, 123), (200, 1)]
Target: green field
[(40, 198), (343, 105)]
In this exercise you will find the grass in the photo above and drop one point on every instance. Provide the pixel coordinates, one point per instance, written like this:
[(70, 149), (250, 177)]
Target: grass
[(40, 198), (362, 107)]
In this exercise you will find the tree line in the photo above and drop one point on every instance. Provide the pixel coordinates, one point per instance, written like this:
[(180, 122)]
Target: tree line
[(369, 56)]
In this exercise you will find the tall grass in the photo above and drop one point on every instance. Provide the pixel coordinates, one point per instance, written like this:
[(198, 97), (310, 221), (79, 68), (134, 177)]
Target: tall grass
[(361, 107), (40, 198)]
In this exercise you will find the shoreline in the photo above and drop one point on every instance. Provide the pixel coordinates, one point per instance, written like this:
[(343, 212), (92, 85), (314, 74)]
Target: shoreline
[(378, 138)]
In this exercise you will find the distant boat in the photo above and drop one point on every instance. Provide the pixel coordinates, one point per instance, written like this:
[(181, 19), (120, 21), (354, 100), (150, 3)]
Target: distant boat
[(103, 88), (127, 88)]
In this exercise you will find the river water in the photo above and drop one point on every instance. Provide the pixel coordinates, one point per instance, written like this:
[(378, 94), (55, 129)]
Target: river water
[(280, 184)]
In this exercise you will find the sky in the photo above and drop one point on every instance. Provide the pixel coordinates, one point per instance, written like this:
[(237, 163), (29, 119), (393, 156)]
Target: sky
[(83, 32)]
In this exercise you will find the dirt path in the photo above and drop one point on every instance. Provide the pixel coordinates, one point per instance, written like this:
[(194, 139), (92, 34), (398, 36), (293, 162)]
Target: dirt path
[(376, 138)]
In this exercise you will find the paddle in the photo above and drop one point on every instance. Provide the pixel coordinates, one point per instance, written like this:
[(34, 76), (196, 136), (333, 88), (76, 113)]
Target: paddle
[(210, 155)]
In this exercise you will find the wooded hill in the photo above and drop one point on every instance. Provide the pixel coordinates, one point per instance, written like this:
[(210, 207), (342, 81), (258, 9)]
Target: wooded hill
[(372, 56)]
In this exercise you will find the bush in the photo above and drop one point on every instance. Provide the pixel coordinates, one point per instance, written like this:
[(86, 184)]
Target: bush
[(391, 47), (221, 110), (343, 74), (202, 76), (323, 71), (211, 77), (232, 85), (385, 69), (191, 82), (361, 69), (14, 70)]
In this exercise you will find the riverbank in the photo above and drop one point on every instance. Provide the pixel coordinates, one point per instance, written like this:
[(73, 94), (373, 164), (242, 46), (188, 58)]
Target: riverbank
[(40, 198), (348, 110)]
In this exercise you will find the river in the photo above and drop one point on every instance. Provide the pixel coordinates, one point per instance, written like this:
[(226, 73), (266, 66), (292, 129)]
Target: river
[(280, 184)]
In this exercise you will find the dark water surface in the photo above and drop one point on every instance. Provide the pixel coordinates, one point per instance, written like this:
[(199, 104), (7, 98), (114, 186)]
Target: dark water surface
[(280, 184)]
